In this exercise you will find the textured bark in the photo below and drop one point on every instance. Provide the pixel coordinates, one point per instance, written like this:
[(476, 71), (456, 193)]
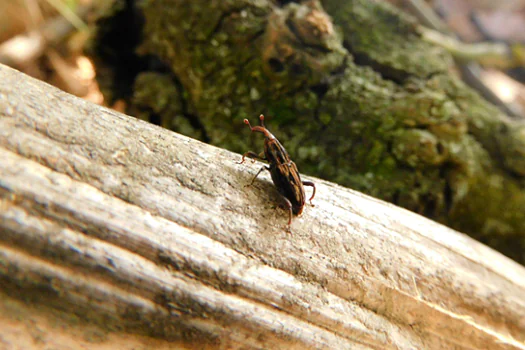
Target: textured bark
[(349, 86), (112, 225)]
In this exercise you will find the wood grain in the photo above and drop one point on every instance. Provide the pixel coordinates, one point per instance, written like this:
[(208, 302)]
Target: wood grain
[(133, 229)]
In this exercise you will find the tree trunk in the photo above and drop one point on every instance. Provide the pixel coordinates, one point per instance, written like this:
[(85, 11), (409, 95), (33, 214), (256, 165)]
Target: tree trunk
[(119, 233), (355, 93)]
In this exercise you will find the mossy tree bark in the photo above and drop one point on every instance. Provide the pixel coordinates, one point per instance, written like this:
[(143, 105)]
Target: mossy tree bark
[(349, 87)]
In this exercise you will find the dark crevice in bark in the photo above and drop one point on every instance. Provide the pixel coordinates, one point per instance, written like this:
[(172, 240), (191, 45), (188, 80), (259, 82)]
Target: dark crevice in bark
[(448, 194), (320, 89), (116, 44), (283, 3), (256, 35), (339, 71), (323, 87), (395, 197), (193, 119), (430, 206), (157, 65), (387, 72), (217, 28), (154, 118), (196, 123), (276, 65)]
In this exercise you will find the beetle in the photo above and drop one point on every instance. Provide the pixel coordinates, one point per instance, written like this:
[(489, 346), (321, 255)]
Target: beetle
[(283, 170)]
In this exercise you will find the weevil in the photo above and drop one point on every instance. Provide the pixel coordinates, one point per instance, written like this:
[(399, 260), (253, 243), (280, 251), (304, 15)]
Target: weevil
[(283, 170)]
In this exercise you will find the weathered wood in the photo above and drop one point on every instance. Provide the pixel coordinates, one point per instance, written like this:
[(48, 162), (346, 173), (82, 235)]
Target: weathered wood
[(114, 223)]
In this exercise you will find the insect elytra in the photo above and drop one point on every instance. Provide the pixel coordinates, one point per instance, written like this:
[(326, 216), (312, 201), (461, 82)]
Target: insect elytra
[(283, 170)]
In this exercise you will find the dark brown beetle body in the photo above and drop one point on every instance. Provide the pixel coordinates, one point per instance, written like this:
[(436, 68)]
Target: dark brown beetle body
[(283, 170)]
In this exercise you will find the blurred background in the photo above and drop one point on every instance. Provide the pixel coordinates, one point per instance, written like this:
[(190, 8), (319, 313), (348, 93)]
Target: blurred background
[(47, 39)]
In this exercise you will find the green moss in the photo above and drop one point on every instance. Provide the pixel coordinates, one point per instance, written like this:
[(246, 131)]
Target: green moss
[(497, 212), (382, 36), (417, 148)]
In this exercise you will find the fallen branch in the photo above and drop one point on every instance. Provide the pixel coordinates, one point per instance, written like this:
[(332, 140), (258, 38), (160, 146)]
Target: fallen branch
[(126, 227)]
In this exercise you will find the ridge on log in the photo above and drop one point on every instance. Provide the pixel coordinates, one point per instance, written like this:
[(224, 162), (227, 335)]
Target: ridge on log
[(118, 233)]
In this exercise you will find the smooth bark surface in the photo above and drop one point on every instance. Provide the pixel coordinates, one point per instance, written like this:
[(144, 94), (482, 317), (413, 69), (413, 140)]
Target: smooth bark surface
[(111, 225)]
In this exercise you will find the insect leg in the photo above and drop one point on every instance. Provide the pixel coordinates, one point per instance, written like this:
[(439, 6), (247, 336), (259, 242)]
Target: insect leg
[(260, 171), (310, 183), (289, 206), (252, 155)]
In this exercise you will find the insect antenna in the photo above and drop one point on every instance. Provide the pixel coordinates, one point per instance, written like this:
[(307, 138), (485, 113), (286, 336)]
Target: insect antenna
[(262, 129), (261, 118)]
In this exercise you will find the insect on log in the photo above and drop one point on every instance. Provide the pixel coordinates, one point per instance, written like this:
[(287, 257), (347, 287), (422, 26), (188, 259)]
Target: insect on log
[(283, 170)]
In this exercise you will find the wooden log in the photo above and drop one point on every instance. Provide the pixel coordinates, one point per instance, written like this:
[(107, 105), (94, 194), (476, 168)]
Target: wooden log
[(129, 234)]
